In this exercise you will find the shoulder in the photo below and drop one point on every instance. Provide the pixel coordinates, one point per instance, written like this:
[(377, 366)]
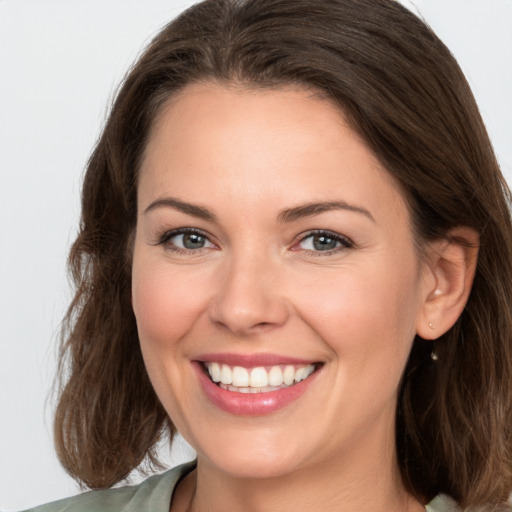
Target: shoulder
[(442, 503), (152, 494)]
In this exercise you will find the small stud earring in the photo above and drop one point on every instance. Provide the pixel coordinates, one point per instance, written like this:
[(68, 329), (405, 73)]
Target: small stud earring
[(431, 325)]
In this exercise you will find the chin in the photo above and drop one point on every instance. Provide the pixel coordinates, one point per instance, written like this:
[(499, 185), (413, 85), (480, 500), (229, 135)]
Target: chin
[(255, 467), (253, 456)]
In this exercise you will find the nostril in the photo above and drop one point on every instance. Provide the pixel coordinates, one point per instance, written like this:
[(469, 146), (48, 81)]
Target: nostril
[(243, 320)]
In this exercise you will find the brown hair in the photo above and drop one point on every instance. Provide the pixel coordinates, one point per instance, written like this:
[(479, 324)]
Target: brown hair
[(404, 93)]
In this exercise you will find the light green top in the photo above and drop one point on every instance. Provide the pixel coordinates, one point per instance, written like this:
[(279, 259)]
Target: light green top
[(154, 495)]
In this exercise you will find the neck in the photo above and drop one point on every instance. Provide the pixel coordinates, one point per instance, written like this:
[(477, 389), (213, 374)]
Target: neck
[(368, 482)]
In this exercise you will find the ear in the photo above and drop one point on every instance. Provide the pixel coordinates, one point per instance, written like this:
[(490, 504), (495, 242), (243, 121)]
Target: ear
[(448, 277)]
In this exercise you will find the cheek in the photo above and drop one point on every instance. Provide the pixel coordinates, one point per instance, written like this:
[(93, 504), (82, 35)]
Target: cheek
[(165, 304), (365, 314)]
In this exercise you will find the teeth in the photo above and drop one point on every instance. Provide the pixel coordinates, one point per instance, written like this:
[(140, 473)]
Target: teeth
[(309, 370), (226, 376), (251, 390), (303, 373), (299, 374), (240, 377), (258, 379), (275, 376), (215, 372), (289, 375)]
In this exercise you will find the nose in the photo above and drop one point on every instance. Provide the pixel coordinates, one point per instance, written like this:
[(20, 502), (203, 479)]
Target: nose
[(249, 299)]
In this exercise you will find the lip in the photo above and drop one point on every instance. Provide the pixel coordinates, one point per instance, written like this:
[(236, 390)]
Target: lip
[(252, 404), (251, 360)]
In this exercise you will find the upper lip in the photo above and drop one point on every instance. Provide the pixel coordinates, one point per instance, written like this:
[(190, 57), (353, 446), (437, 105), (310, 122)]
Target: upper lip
[(251, 360)]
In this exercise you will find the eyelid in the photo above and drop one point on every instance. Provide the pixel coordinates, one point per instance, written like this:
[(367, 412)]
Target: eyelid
[(346, 243), (167, 235)]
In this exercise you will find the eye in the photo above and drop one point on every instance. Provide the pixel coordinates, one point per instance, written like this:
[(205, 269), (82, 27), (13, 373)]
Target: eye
[(186, 239), (323, 241)]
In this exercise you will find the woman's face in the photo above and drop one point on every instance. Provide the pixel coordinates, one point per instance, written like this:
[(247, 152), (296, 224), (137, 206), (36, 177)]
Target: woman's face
[(270, 244)]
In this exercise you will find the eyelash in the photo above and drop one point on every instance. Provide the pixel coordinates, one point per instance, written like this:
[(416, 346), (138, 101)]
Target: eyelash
[(168, 235), (345, 243)]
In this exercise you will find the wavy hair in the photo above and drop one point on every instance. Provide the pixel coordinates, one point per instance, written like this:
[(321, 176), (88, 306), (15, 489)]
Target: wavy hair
[(404, 93)]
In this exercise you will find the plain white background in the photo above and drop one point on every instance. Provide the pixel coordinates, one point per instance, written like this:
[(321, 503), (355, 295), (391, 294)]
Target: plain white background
[(60, 62)]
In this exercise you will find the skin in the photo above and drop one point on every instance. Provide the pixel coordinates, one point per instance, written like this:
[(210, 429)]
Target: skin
[(258, 285)]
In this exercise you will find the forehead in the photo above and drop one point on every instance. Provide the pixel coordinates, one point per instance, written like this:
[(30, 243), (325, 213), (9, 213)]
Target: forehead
[(227, 142)]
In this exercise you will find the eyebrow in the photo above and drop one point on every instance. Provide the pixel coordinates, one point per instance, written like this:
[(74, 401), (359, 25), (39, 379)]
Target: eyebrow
[(287, 215), (307, 210), (190, 209)]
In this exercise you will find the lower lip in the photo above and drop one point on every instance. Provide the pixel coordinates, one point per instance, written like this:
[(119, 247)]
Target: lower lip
[(252, 404)]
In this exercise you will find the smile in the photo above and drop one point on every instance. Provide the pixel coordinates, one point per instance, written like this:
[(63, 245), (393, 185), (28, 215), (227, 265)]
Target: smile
[(254, 385), (259, 379)]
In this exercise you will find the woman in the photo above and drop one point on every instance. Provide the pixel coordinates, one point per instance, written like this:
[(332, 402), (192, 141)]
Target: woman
[(295, 250)]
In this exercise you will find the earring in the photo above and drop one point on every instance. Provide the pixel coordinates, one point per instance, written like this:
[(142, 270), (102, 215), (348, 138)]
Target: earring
[(433, 354)]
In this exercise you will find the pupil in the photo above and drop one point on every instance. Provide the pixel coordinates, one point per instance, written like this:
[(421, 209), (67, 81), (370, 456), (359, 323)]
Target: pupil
[(324, 243), (193, 241)]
